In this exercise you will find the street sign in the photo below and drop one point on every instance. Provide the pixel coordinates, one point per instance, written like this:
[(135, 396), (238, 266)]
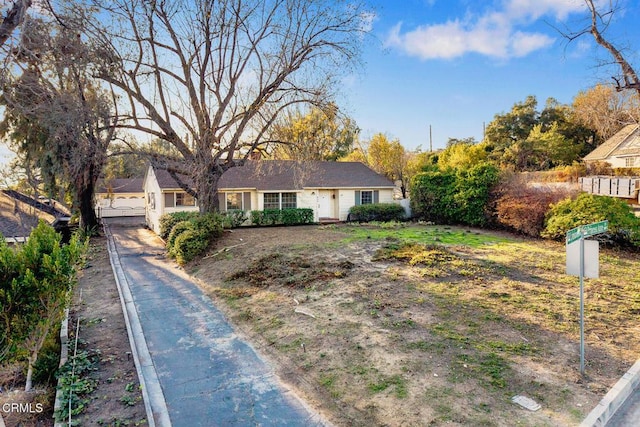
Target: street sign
[(573, 235), (587, 230), (595, 228), (576, 263)]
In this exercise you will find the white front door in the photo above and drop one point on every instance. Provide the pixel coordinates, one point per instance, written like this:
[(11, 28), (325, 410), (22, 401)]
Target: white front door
[(325, 204)]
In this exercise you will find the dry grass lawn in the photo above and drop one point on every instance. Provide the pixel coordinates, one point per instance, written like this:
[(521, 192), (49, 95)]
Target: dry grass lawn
[(424, 325)]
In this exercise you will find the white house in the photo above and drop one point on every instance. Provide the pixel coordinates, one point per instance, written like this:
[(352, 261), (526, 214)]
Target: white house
[(622, 150), (329, 188), (120, 197)]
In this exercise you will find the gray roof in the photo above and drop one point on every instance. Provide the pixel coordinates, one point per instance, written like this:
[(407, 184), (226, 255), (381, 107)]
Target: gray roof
[(19, 214), (120, 185), (274, 175)]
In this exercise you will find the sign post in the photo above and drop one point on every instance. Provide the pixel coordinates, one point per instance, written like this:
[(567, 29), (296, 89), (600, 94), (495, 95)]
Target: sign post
[(579, 234)]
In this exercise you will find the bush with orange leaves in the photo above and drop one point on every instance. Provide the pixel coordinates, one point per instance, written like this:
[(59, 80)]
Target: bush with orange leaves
[(522, 205)]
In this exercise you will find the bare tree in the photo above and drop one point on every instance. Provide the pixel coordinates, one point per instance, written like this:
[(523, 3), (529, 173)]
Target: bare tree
[(12, 20), (600, 19), (211, 77)]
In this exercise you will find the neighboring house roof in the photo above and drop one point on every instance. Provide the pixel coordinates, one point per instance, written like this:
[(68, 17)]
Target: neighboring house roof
[(19, 214), (624, 143), (120, 185), (274, 175)]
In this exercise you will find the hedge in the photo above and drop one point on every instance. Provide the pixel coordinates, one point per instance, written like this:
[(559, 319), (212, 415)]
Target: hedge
[(377, 212), (454, 196), (233, 218), (168, 221), (190, 244), (178, 229), (624, 226), (282, 216), (189, 238)]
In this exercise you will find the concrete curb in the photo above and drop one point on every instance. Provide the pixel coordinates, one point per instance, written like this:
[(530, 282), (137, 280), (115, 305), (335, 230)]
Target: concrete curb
[(614, 399), (154, 402), (64, 356)]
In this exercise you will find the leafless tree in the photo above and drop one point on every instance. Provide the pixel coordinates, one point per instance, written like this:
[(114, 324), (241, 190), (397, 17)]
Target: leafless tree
[(600, 19), (211, 77), (14, 17)]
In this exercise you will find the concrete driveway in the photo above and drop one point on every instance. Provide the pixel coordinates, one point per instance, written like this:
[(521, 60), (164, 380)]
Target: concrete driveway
[(197, 371)]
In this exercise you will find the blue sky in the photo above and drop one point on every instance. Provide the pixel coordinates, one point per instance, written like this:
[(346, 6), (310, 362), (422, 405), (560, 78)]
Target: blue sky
[(455, 64)]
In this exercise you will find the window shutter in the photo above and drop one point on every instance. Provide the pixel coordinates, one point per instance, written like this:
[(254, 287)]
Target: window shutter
[(358, 200), (222, 202), (169, 200), (247, 201), (376, 196)]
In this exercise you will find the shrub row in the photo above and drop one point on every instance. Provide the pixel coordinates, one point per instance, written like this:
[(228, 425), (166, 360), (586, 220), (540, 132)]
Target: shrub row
[(377, 212), (282, 216)]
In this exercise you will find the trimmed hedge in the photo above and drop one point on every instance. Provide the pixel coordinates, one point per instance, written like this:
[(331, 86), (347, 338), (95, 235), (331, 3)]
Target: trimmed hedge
[(168, 221), (377, 212), (191, 237), (282, 216), (177, 230), (233, 218), (189, 244), (454, 196)]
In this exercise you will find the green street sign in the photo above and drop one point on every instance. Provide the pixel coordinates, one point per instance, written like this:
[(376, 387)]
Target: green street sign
[(573, 235), (595, 228), (587, 230)]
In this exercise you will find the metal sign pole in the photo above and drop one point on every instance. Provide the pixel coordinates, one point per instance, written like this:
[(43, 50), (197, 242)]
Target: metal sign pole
[(581, 302)]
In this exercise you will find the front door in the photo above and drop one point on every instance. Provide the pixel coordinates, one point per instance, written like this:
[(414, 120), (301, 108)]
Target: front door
[(325, 204)]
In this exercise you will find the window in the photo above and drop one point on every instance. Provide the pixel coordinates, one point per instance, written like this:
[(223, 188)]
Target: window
[(271, 201), (151, 199), (366, 197), (630, 162), (289, 201), (234, 201), (184, 199)]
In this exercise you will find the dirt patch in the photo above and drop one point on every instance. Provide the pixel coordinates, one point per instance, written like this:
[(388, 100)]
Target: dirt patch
[(115, 398), (375, 333)]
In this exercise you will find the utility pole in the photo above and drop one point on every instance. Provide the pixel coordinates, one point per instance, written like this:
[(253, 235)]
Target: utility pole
[(430, 140)]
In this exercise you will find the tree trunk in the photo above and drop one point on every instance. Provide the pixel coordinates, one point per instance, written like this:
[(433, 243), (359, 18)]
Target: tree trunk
[(207, 189), (28, 385), (85, 189)]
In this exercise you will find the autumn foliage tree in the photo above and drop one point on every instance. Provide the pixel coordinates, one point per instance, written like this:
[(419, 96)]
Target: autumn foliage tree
[(606, 110), (320, 134)]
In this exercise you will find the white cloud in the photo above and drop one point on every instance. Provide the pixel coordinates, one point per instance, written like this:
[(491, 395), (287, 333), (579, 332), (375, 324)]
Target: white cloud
[(534, 9), (495, 34)]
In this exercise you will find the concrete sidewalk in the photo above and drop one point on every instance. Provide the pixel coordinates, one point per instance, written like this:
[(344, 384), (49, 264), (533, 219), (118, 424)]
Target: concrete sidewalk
[(207, 374)]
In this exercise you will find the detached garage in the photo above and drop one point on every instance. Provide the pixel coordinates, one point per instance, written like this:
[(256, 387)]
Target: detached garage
[(120, 197)]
